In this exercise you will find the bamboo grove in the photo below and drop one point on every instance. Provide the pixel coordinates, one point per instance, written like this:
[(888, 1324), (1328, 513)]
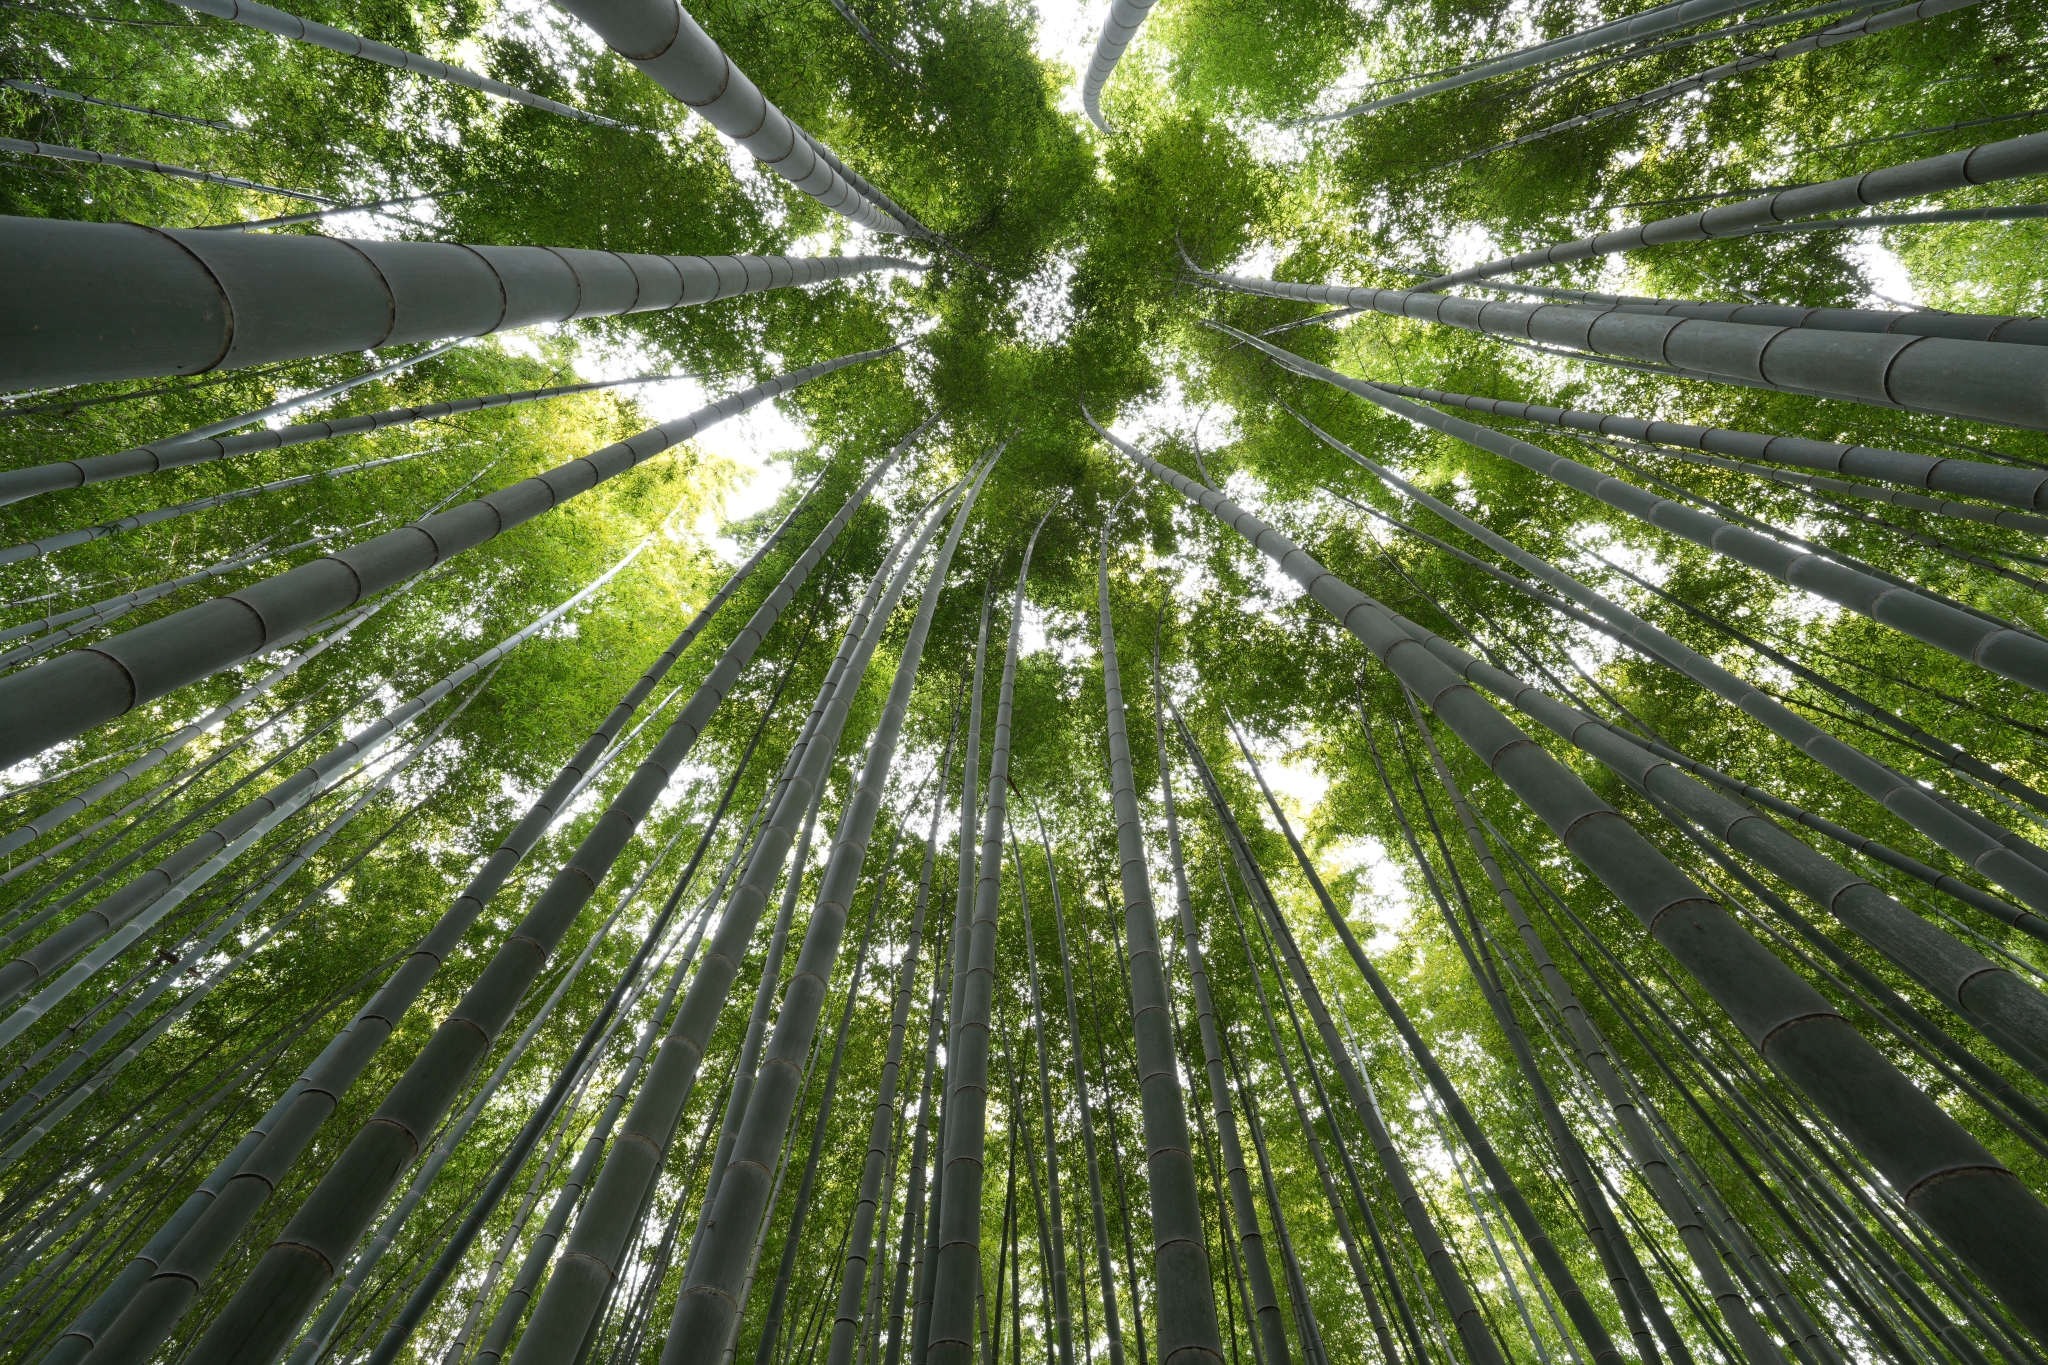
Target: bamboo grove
[(1214, 681)]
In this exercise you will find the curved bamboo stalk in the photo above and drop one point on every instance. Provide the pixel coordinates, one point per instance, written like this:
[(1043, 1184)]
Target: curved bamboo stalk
[(1866, 27), (205, 447), (69, 694), (660, 38), (1185, 1299), (881, 1153), (233, 299), (576, 1291), (1984, 381), (708, 1304), (1988, 1217), (112, 782), (262, 16), (173, 1282), (1121, 25), (1981, 165), (957, 1276)]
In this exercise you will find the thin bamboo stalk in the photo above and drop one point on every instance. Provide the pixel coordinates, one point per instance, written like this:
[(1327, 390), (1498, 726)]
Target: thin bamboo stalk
[(1054, 1232), (1959, 1189)]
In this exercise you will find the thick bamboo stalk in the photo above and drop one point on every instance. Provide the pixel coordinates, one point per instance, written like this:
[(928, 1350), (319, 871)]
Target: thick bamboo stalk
[(1988, 1218), (1984, 381), (205, 447), (69, 694), (708, 1305), (234, 299), (660, 38), (576, 1291), (957, 1277), (276, 1300), (881, 1153), (106, 786), (956, 975), (1184, 1297), (1993, 161)]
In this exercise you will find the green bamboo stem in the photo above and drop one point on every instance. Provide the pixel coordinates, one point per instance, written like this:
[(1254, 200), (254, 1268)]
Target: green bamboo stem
[(67, 695), (957, 1275), (1306, 1328), (1988, 1217), (1054, 1232), (1079, 1071), (880, 1162), (709, 1304), (1466, 1317), (910, 1242), (956, 978), (1263, 1308), (1184, 1298), (299, 1270)]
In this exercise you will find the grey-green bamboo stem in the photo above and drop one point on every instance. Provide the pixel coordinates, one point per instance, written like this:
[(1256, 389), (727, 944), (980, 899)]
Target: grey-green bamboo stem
[(1987, 1217), (1184, 1297)]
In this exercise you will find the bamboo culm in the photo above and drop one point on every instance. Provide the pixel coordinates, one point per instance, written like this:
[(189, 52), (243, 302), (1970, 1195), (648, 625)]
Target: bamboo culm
[(1264, 1309), (428, 1086), (74, 692), (1994, 161), (910, 1241), (1052, 1234), (1184, 1301), (881, 1153), (1987, 1217), (575, 1292), (957, 1275), (124, 915), (1085, 1102), (707, 1306), (1940, 962), (1444, 1271), (1119, 27), (201, 446), (1980, 380), (236, 299), (956, 976), (670, 49)]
